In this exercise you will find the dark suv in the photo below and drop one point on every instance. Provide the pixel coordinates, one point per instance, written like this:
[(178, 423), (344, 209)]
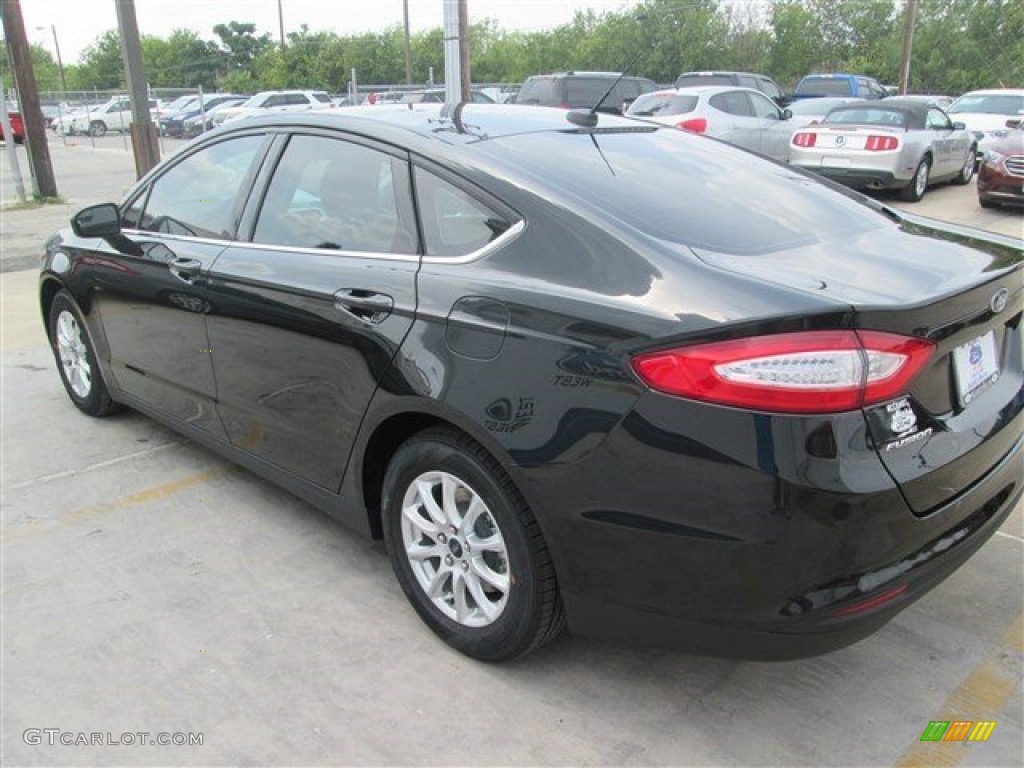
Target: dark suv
[(574, 90), (761, 83)]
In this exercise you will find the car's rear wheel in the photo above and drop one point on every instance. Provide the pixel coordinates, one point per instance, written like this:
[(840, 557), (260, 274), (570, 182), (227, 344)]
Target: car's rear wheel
[(97, 128), (467, 550), (918, 185), (76, 359), (967, 172)]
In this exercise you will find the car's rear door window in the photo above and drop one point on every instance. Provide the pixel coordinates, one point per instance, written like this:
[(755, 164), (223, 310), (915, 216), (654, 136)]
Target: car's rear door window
[(335, 194), (732, 102), (200, 196), (454, 222)]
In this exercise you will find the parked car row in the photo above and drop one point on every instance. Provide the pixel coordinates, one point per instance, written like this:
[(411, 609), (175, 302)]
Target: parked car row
[(114, 115)]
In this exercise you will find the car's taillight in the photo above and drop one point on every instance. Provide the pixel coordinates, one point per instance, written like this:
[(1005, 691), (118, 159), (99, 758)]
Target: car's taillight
[(808, 372), (694, 125), (881, 143), (805, 139)]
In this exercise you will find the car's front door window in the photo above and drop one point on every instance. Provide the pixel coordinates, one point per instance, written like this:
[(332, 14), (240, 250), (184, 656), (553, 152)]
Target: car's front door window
[(199, 196)]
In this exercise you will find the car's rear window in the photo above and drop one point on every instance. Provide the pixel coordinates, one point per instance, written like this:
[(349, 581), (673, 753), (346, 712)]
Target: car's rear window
[(657, 104), (867, 116), (988, 104), (824, 86), (686, 189)]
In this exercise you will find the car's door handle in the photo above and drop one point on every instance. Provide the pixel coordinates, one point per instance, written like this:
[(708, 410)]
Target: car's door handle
[(371, 306), (185, 270)]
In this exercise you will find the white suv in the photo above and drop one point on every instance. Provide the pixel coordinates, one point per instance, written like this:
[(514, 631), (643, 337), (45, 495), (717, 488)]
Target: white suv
[(275, 101), (115, 115)]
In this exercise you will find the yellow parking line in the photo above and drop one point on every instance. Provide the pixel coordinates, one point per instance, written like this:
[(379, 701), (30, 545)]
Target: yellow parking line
[(142, 497), (981, 696)]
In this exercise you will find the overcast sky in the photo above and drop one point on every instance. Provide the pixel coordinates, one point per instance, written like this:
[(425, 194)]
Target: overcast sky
[(79, 22)]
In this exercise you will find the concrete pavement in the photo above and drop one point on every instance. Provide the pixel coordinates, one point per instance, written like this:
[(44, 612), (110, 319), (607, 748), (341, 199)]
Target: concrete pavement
[(150, 587)]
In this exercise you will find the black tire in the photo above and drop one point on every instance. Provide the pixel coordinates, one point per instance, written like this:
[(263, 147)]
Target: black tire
[(97, 128), (967, 172), (80, 372), (915, 190), (986, 203), (529, 611)]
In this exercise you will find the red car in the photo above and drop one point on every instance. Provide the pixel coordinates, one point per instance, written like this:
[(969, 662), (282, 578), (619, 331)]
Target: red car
[(1001, 176), (17, 126)]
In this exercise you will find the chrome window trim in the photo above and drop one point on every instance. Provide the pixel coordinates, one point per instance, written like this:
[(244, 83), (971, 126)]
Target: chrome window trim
[(182, 238), (506, 237), (499, 242)]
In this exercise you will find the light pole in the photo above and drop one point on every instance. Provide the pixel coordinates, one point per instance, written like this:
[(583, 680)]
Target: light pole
[(56, 47)]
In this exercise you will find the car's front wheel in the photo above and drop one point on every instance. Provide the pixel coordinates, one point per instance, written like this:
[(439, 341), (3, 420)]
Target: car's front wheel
[(97, 128), (76, 359), (467, 550), (918, 185), (967, 172)]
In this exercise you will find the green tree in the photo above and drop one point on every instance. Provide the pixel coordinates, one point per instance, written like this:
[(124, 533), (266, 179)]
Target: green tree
[(44, 66), (100, 66)]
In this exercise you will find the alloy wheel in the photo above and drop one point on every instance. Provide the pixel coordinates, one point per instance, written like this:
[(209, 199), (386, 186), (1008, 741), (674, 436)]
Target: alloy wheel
[(74, 356), (455, 549)]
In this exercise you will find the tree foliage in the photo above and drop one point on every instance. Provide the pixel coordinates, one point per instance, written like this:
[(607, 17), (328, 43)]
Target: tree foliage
[(958, 45)]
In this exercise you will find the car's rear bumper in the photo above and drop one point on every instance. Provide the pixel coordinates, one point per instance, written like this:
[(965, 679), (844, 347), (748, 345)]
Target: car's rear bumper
[(860, 178), (764, 561)]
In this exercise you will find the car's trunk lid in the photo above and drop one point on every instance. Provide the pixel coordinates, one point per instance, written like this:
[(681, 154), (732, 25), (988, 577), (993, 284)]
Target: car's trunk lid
[(965, 410)]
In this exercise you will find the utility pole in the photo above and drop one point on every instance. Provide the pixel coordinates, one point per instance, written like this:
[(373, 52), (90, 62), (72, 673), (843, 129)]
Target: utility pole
[(145, 142), (452, 56), (408, 44), (464, 49), (908, 45), (280, 23), (60, 62), (43, 182)]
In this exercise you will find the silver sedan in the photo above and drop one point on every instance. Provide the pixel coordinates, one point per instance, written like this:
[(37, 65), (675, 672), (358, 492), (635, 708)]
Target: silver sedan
[(890, 144)]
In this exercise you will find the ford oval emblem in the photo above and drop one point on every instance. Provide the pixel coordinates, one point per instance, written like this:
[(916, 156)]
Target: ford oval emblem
[(998, 302), (840, 140)]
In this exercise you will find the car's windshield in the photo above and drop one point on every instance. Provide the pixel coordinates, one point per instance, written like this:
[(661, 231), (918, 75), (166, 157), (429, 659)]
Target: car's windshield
[(255, 101), (824, 86), (815, 106), (662, 103), (182, 103), (989, 104)]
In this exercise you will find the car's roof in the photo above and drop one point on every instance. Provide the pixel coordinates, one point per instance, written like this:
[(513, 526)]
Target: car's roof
[(996, 92), (711, 90), (422, 125), (719, 72)]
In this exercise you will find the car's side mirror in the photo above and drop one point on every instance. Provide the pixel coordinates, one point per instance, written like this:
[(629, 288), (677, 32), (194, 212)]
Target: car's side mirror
[(103, 220), (959, 127), (787, 114)]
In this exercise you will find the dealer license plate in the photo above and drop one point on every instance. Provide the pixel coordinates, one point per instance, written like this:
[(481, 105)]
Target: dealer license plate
[(976, 366)]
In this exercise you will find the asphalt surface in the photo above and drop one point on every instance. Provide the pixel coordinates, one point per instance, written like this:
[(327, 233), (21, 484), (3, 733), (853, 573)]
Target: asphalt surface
[(148, 586)]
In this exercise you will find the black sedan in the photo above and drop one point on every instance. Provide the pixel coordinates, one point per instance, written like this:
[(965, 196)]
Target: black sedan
[(572, 369)]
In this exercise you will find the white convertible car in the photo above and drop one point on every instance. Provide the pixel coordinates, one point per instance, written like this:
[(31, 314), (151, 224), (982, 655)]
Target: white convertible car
[(891, 144)]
